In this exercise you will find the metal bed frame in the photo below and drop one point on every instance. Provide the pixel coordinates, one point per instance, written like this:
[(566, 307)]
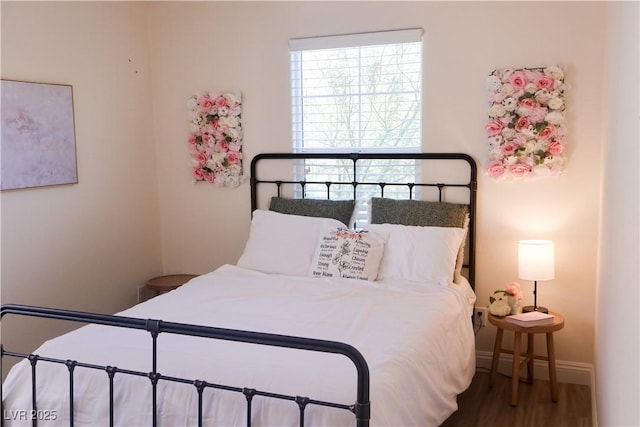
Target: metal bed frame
[(471, 184), (155, 327), (361, 408)]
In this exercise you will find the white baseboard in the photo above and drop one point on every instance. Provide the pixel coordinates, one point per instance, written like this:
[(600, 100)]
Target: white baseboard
[(567, 372)]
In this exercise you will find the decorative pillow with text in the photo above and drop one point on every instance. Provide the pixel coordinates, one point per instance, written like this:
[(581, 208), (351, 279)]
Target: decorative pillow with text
[(348, 254)]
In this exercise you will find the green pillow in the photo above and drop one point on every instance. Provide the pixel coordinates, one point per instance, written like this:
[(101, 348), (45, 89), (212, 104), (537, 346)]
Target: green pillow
[(342, 210), (418, 213)]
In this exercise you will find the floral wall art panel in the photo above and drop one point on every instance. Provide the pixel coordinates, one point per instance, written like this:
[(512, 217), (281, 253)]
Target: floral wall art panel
[(38, 145), (215, 138), (526, 126)]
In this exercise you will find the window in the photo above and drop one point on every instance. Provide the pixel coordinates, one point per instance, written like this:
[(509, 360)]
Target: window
[(357, 93)]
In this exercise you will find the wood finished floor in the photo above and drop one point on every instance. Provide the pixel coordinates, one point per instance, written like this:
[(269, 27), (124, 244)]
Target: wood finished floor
[(483, 406)]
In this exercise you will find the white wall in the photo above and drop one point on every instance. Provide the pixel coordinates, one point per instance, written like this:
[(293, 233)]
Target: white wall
[(86, 246), (243, 45), (618, 296)]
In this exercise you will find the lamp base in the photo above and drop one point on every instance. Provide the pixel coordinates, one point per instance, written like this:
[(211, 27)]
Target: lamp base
[(529, 308)]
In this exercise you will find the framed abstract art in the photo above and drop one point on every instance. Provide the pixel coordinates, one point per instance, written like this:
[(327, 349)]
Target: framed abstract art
[(38, 146)]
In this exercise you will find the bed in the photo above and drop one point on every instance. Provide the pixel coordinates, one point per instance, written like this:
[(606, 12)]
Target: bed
[(317, 324)]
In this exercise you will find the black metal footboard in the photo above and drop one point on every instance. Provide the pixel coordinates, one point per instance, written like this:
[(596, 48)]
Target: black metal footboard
[(361, 408)]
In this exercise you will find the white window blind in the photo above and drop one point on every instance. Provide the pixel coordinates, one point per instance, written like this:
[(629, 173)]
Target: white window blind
[(357, 93)]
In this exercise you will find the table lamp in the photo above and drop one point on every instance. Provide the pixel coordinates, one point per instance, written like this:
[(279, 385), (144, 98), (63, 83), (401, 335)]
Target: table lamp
[(535, 262)]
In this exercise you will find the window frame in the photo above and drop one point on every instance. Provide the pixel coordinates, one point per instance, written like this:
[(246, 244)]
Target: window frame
[(413, 35), (296, 48)]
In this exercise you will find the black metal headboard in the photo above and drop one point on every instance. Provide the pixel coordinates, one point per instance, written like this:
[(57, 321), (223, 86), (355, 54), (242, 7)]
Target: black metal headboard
[(468, 181)]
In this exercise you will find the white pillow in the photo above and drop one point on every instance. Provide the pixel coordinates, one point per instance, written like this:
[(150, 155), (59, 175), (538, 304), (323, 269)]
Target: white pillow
[(283, 244), (348, 254), (423, 254)]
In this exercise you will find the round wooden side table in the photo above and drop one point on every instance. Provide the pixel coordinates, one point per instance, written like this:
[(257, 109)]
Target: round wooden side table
[(168, 283), (529, 356)]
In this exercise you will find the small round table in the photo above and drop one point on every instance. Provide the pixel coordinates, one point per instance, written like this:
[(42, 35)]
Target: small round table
[(529, 356), (168, 283)]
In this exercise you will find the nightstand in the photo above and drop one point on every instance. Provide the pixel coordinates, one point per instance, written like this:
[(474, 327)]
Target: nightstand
[(519, 358), (168, 283)]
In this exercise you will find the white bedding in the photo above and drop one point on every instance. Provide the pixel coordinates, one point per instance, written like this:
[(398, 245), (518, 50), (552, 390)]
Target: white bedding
[(417, 340)]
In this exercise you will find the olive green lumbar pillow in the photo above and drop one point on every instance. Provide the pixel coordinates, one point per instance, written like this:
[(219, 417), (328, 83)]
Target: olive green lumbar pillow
[(418, 213), (341, 210)]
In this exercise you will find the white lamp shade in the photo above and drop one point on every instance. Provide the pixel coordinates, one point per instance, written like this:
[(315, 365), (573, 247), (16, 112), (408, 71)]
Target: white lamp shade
[(536, 260)]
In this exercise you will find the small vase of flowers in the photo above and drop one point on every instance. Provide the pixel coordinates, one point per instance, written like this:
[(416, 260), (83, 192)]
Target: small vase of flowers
[(504, 302)]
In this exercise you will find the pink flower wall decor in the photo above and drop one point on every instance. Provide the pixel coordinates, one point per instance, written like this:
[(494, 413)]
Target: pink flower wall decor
[(215, 139), (526, 126)]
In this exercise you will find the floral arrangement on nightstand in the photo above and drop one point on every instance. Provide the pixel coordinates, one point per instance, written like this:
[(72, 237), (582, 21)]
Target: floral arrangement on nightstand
[(504, 302), (526, 125)]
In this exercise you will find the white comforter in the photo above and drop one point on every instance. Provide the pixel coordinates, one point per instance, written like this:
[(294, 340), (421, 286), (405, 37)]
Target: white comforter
[(417, 340)]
